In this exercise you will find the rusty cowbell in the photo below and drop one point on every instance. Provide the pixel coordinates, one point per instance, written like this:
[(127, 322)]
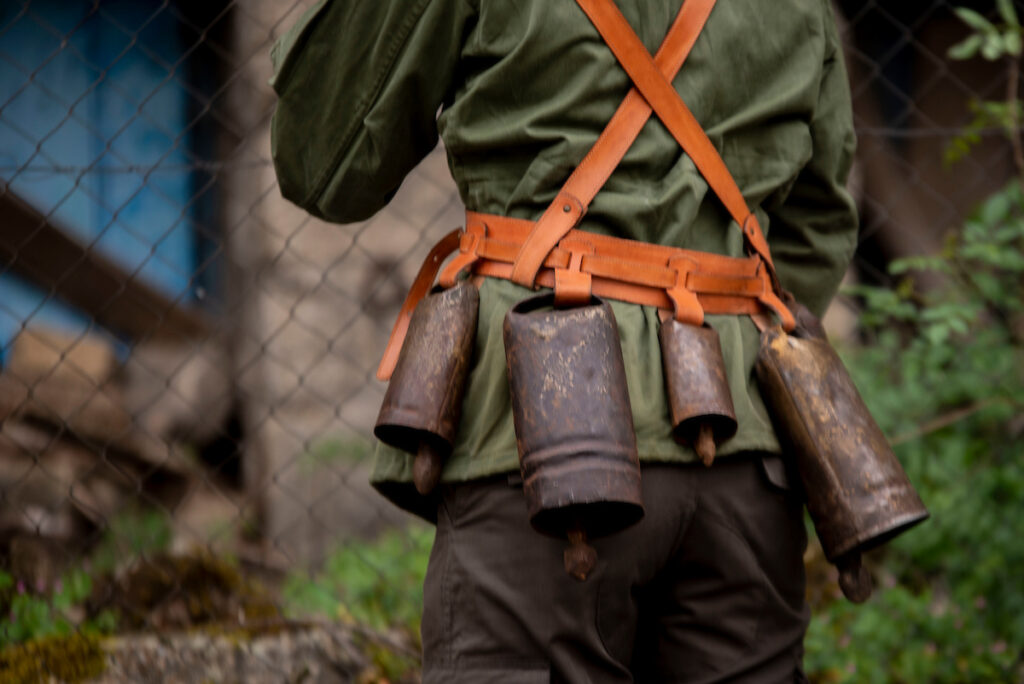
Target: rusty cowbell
[(573, 423), (858, 495), (697, 387), (423, 403)]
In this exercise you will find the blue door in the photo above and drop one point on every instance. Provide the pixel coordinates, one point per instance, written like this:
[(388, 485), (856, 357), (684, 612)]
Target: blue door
[(94, 133)]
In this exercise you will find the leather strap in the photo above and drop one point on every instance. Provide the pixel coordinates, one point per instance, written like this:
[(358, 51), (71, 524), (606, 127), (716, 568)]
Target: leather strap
[(420, 287), (571, 203), (678, 119)]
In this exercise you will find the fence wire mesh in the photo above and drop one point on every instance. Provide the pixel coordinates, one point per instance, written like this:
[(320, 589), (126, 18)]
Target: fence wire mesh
[(188, 359)]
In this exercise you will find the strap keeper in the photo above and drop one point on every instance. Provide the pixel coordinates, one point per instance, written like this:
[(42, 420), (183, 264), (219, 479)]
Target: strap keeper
[(469, 252), (771, 301), (684, 300), (573, 287)]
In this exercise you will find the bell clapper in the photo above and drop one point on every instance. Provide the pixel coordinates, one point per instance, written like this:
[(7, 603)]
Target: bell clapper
[(426, 469), (854, 578), (580, 558), (705, 444)]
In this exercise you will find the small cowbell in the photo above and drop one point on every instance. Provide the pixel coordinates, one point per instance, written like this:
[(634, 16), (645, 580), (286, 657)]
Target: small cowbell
[(698, 390)]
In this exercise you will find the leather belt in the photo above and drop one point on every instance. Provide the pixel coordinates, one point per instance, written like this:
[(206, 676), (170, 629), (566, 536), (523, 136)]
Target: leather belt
[(685, 283)]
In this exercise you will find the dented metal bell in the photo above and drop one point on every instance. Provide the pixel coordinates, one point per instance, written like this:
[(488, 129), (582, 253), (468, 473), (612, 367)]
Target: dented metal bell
[(858, 494), (698, 390), (573, 422), (423, 403)]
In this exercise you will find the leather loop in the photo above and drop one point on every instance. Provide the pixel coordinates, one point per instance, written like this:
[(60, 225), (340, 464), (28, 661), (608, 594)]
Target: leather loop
[(686, 307), (420, 288), (469, 246), (573, 287)]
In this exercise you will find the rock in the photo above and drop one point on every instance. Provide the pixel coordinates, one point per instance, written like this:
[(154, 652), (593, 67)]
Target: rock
[(329, 654), (292, 653)]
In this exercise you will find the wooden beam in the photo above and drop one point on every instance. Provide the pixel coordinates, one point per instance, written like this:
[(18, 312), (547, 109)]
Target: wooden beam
[(45, 254)]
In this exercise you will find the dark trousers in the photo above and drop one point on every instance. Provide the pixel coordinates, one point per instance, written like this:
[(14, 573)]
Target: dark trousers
[(708, 587)]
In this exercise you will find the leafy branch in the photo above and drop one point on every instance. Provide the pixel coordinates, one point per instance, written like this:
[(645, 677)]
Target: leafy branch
[(993, 41)]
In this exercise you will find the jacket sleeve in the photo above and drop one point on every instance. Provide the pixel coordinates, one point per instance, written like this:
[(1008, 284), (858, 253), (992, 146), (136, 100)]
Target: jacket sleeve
[(360, 83), (813, 232)]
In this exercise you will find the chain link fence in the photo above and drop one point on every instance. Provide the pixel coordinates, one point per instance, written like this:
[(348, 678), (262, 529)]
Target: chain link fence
[(188, 359)]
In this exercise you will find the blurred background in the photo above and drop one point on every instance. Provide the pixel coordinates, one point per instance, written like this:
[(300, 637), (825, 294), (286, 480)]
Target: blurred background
[(187, 390)]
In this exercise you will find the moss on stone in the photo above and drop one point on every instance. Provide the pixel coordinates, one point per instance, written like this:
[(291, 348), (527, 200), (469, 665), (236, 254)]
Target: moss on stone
[(169, 592), (70, 659)]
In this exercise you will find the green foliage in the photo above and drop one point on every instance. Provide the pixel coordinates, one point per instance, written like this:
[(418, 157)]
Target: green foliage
[(60, 612), (129, 535), (35, 616), (991, 40), (986, 115), (944, 376), (902, 636), (376, 584)]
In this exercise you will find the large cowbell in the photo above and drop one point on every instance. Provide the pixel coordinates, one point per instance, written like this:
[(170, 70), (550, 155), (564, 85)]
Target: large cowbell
[(573, 422), (423, 403), (857, 492)]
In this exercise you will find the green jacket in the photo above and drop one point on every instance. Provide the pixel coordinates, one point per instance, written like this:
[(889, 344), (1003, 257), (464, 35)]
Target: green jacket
[(519, 91)]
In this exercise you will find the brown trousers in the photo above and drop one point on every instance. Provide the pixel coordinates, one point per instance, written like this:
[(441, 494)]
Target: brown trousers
[(708, 587)]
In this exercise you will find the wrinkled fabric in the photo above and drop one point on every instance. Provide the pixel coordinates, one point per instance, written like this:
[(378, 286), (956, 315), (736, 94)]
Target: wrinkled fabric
[(519, 92)]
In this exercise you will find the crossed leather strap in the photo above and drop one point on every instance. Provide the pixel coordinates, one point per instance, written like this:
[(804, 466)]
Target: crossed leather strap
[(551, 252)]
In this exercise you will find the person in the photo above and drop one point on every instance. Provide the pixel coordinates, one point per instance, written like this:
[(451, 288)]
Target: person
[(709, 586)]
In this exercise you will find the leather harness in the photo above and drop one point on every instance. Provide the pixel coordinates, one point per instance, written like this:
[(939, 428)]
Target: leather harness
[(552, 252)]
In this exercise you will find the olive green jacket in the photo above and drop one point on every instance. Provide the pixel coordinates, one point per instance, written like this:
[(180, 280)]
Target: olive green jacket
[(519, 91)]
